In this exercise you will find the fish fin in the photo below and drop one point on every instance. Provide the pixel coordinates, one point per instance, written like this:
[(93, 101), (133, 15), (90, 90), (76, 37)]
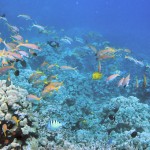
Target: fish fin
[(4, 133), (17, 122)]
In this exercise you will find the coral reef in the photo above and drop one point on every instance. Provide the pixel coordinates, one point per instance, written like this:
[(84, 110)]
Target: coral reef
[(17, 123), (121, 123)]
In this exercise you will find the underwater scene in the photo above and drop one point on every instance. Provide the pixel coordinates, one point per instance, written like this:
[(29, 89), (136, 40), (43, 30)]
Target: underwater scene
[(74, 75)]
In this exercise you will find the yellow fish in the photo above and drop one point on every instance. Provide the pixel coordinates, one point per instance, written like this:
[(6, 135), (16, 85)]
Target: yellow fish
[(14, 118), (4, 128), (97, 75)]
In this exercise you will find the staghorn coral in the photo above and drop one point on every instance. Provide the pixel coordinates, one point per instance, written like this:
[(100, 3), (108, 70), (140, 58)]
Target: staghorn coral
[(14, 104)]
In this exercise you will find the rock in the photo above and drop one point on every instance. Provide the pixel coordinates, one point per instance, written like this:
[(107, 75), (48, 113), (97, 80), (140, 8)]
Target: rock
[(1, 115), (8, 116), (4, 107)]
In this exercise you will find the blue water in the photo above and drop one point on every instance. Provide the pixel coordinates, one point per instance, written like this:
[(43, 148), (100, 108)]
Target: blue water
[(69, 102), (123, 23)]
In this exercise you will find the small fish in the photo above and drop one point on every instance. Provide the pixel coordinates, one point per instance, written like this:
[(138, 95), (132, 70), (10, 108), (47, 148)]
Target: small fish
[(4, 128), (52, 86), (112, 77), (29, 45), (99, 66), (32, 52), (13, 28), (17, 37), (53, 44), (53, 125), (126, 81), (137, 83), (120, 82), (8, 81), (112, 117), (26, 17), (6, 68), (15, 55), (23, 53), (144, 81), (38, 27), (44, 64), (16, 73), (93, 48), (4, 62), (7, 45), (68, 68), (33, 97), (97, 75), (23, 63), (14, 118), (51, 66)]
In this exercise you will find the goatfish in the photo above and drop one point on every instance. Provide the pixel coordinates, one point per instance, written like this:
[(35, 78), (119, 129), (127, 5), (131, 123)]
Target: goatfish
[(36, 75), (106, 51), (4, 128), (144, 81), (67, 68), (30, 46), (7, 45), (5, 68), (31, 97), (52, 65), (106, 57), (17, 37), (26, 17), (44, 64), (14, 118), (112, 77), (13, 28), (52, 86), (38, 27), (16, 55)]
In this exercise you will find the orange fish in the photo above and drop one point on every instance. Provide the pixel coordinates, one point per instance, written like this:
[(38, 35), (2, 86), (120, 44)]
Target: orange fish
[(52, 87), (112, 77), (4, 128), (14, 118)]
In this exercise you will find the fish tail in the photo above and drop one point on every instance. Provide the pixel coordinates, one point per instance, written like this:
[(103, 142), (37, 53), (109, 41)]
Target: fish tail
[(5, 133), (17, 122)]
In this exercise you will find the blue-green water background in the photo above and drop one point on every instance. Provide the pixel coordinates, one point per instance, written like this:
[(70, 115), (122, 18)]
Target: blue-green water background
[(123, 23)]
